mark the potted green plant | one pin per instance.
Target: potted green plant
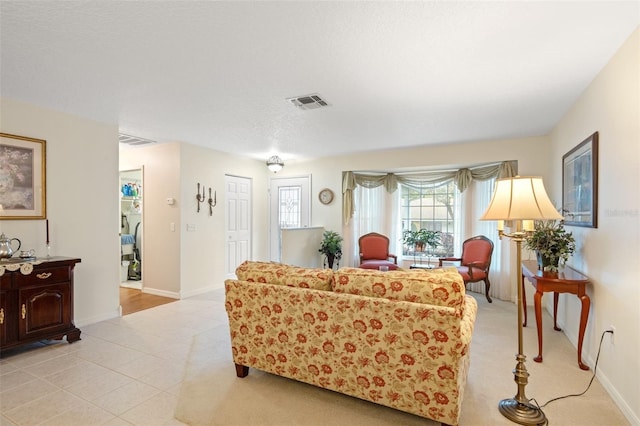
(331, 247)
(420, 238)
(552, 243)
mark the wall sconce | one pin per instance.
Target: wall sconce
(212, 202)
(200, 197)
(275, 163)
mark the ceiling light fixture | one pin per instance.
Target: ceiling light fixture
(275, 163)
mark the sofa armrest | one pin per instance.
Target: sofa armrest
(468, 319)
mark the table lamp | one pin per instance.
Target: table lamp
(521, 199)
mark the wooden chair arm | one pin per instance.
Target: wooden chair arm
(394, 257)
(448, 259)
(471, 265)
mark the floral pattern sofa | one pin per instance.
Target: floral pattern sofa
(397, 338)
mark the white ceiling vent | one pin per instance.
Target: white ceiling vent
(133, 140)
(313, 101)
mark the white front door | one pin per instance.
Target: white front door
(289, 207)
(238, 222)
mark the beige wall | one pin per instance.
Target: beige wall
(609, 254)
(82, 202)
(83, 199)
(203, 250)
(190, 259)
(161, 246)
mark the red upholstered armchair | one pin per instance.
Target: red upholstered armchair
(374, 252)
(475, 261)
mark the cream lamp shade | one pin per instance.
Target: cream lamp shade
(520, 198)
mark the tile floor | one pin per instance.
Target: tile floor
(122, 372)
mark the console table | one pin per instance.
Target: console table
(36, 300)
(566, 280)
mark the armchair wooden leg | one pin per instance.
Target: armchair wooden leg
(487, 286)
(242, 370)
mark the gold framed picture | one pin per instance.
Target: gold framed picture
(22, 177)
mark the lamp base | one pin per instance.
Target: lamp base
(524, 414)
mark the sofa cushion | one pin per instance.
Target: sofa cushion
(281, 274)
(261, 272)
(316, 278)
(443, 287)
(376, 264)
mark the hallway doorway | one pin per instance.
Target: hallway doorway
(133, 300)
(131, 228)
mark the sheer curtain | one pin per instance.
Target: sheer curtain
(475, 201)
(370, 203)
(376, 211)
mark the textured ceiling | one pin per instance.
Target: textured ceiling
(396, 74)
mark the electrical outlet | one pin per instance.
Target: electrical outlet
(613, 333)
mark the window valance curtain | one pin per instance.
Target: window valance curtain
(461, 177)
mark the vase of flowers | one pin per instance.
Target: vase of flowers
(552, 243)
(331, 247)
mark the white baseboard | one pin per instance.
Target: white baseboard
(199, 291)
(92, 320)
(163, 293)
(137, 285)
(617, 398)
(602, 378)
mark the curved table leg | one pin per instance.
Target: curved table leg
(584, 313)
(537, 298)
(555, 312)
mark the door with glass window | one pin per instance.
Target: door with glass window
(289, 207)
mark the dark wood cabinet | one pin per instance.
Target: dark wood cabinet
(3, 318)
(37, 305)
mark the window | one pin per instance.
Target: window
(289, 207)
(432, 207)
(289, 211)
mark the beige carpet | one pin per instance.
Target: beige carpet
(212, 395)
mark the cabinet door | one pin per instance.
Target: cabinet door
(44, 310)
(3, 317)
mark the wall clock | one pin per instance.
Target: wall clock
(326, 196)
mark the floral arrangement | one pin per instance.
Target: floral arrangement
(552, 243)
